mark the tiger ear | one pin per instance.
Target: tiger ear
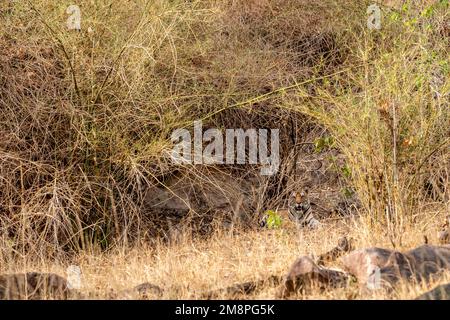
(294, 194)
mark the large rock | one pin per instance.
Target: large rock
(377, 267)
(305, 275)
(441, 292)
(364, 262)
(201, 192)
(33, 286)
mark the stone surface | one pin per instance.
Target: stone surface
(33, 286)
(148, 290)
(363, 262)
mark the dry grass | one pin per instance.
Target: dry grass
(192, 267)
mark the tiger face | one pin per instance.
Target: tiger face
(444, 232)
(298, 200)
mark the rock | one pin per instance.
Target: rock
(441, 292)
(424, 262)
(244, 288)
(33, 286)
(143, 291)
(363, 263)
(376, 267)
(345, 245)
(148, 290)
(194, 200)
(305, 275)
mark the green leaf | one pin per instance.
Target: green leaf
(419, 81)
(427, 12)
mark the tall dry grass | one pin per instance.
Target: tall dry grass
(389, 113)
(87, 116)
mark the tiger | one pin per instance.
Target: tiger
(444, 232)
(299, 212)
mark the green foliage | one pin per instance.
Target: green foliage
(427, 12)
(395, 16)
(323, 143)
(274, 220)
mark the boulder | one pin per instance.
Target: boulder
(364, 262)
(148, 290)
(441, 292)
(33, 286)
(305, 275)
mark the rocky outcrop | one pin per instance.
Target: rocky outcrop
(33, 286)
(187, 200)
(377, 267)
(363, 263)
(372, 268)
(441, 292)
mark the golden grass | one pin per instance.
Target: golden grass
(192, 267)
